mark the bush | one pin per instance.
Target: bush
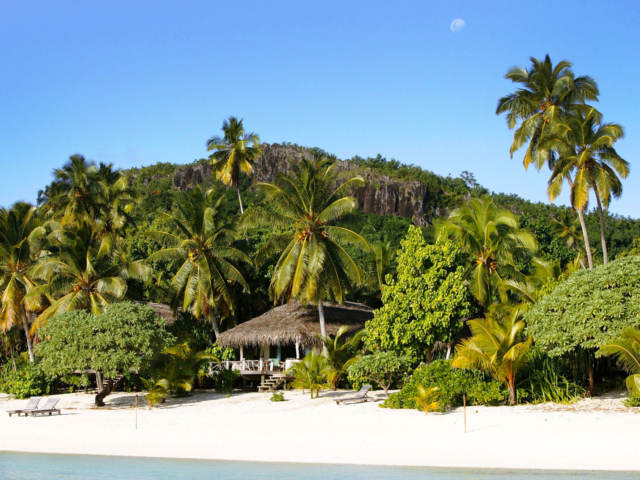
(453, 383)
(546, 379)
(225, 380)
(277, 397)
(26, 382)
(633, 400)
(384, 368)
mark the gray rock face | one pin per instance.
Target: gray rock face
(381, 194)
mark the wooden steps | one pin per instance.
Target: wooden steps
(273, 382)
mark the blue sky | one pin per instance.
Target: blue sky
(135, 83)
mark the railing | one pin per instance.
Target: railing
(242, 366)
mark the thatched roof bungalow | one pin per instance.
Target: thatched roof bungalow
(293, 325)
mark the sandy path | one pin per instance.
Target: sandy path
(592, 435)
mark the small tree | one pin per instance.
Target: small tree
(427, 398)
(340, 354)
(426, 302)
(384, 368)
(111, 343)
(311, 373)
(588, 310)
(496, 347)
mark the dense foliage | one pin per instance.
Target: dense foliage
(425, 303)
(589, 309)
(112, 343)
(383, 368)
(452, 383)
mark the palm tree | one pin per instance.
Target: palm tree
(545, 276)
(206, 243)
(311, 373)
(565, 225)
(547, 92)
(78, 190)
(82, 271)
(581, 144)
(383, 255)
(313, 266)
(340, 354)
(495, 242)
(234, 152)
(496, 346)
(626, 351)
(427, 398)
(20, 239)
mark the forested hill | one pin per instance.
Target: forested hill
(392, 189)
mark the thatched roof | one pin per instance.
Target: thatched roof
(292, 323)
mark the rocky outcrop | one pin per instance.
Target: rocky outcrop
(381, 194)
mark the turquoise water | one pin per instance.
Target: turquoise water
(25, 466)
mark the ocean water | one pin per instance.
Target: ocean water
(26, 466)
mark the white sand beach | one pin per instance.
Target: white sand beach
(598, 434)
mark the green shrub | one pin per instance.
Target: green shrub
(277, 397)
(453, 383)
(632, 400)
(26, 382)
(545, 379)
(225, 380)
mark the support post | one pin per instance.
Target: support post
(241, 354)
(297, 351)
(464, 402)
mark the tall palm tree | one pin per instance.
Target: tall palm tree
(581, 144)
(495, 242)
(313, 265)
(206, 242)
(20, 238)
(546, 93)
(234, 152)
(82, 271)
(496, 346)
(77, 191)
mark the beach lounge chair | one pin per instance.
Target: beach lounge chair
(359, 397)
(48, 408)
(32, 404)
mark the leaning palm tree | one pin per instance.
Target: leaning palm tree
(206, 244)
(496, 346)
(495, 242)
(546, 93)
(234, 152)
(340, 353)
(581, 144)
(20, 239)
(626, 351)
(82, 271)
(313, 265)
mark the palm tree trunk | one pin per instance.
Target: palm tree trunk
(605, 254)
(25, 326)
(585, 235)
(240, 199)
(214, 324)
(323, 327)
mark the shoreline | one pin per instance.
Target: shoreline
(247, 427)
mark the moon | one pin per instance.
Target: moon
(457, 25)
